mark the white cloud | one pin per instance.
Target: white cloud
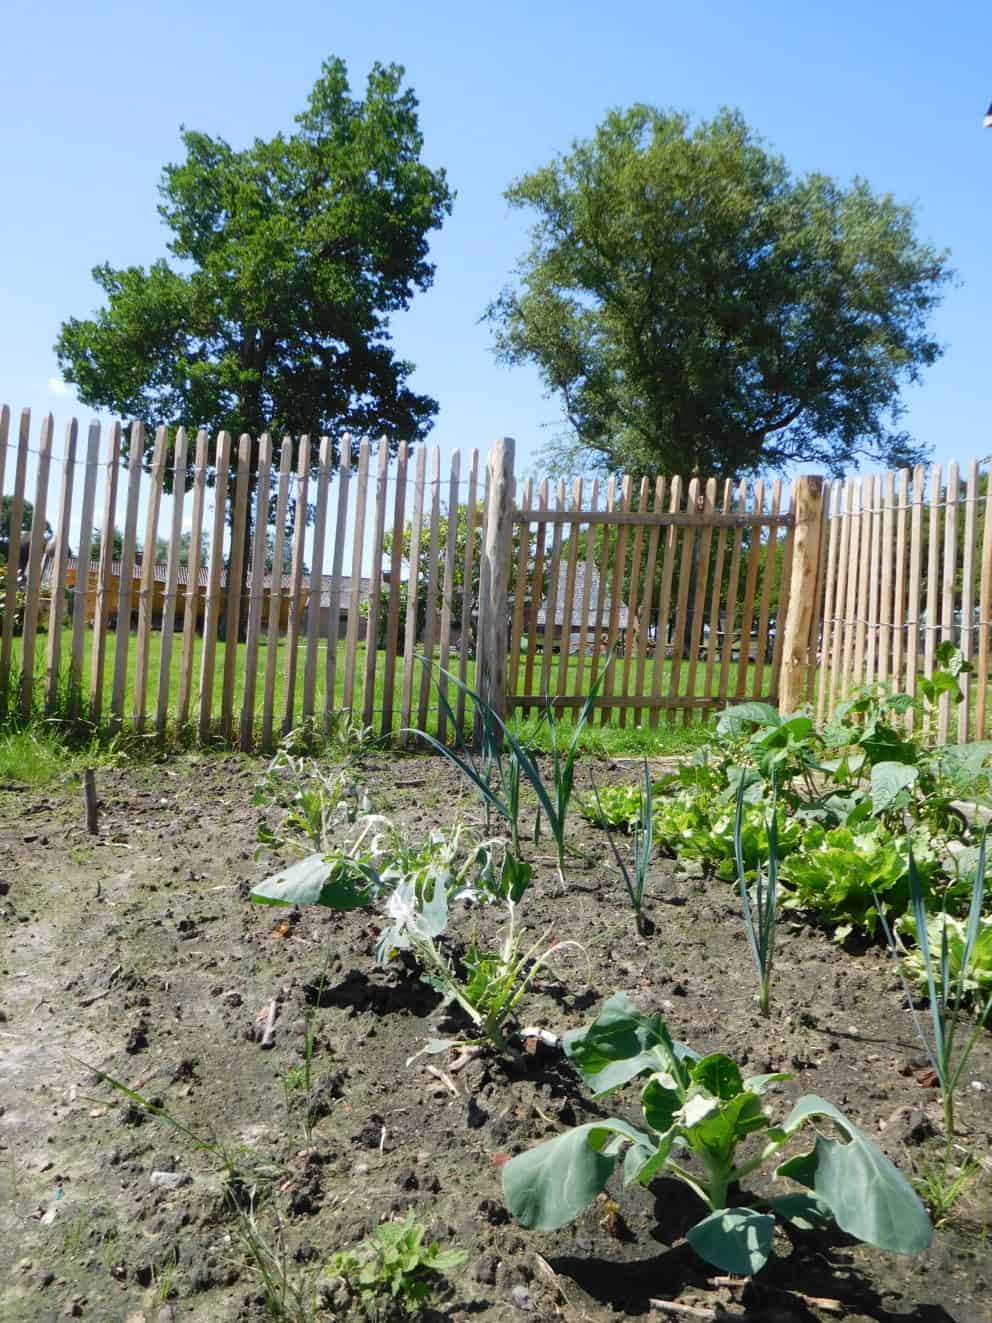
(57, 386)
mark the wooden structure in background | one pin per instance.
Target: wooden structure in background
(703, 592)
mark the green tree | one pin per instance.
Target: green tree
(698, 308)
(291, 255)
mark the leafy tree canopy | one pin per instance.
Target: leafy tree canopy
(698, 308)
(290, 257)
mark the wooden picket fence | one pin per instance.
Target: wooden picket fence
(703, 592)
(909, 566)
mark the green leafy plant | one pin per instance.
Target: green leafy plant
(489, 985)
(844, 876)
(760, 902)
(950, 1042)
(342, 878)
(702, 1110)
(395, 1268)
(618, 807)
(642, 849)
(491, 775)
(311, 799)
(972, 967)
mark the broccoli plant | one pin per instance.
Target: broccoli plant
(697, 1113)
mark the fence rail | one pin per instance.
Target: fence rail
(159, 592)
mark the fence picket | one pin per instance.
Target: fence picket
(191, 610)
(98, 651)
(412, 593)
(537, 589)
(146, 592)
(984, 615)
(701, 569)
(15, 515)
(750, 590)
(337, 564)
(57, 605)
(355, 593)
(170, 601)
(968, 595)
(32, 591)
(616, 600)
(568, 606)
(253, 633)
(375, 583)
(448, 591)
(551, 598)
(948, 594)
(208, 651)
(468, 596)
(274, 619)
(589, 571)
(430, 619)
(664, 600)
(316, 595)
(81, 588)
(295, 600)
(125, 585)
(395, 570)
(933, 580)
(913, 583)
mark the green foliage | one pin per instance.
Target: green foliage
(701, 1110)
(498, 776)
(312, 801)
(642, 829)
(698, 308)
(395, 1268)
(951, 1041)
(972, 968)
(844, 876)
(613, 806)
(291, 255)
(760, 903)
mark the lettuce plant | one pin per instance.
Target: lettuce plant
(697, 1112)
(843, 876)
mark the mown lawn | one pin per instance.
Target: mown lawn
(613, 732)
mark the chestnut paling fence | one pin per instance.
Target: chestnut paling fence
(231, 587)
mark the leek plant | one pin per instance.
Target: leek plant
(760, 904)
(642, 830)
(952, 1041)
(498, 775)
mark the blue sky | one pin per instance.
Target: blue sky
(94, 97)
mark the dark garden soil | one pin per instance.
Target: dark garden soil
(138, 953)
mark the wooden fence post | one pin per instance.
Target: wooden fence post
(494, 582)
(803, 588)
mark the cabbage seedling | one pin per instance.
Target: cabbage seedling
(699, 1110)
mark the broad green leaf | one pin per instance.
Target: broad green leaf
(551, 1184)
(719, 1127)
(759, 1083)
(804, 1211)
(659, 1105)
(887, 781)
(643, 1162)
(738, 1240)
(868, 1197)
(621, 1044)
(733, 719)
(313, 881)
(718, 1074)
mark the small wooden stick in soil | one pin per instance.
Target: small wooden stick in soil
(90, 800)
(269, 1032)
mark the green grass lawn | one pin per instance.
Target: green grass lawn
(616, 732)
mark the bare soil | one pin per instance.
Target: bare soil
(137, 953)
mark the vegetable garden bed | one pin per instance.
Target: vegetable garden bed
(274, 1038)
